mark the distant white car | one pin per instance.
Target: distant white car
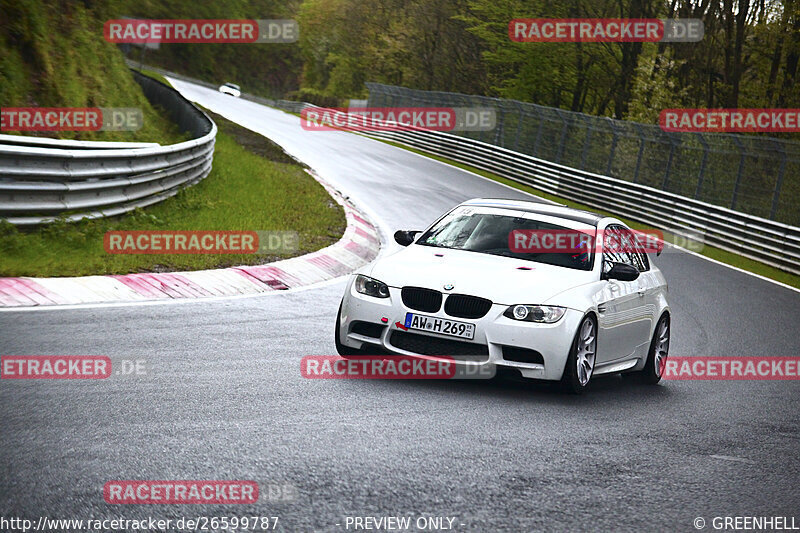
(231, 89)
(460, 289)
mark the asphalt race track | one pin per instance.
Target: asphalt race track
(223, 398)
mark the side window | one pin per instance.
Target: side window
(642, 257)
(620, 245)
(636, 252)
(615, 249)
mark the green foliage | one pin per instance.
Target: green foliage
(463, 46)
(52, 54)
(316, 97)
(415, 43)
(656, 87)
(266, 69)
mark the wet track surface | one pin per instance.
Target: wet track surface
(223, 398)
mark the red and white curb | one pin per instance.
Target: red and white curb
(358, 246)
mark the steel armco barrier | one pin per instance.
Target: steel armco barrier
(773, 243)
(286, 105)
(763, 240)
(752, 174)
(44, 179)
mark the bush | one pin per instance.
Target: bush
(316, 97)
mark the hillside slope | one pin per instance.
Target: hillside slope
(52, 54)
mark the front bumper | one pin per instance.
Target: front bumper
(499, 341)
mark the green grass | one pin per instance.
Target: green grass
(155, 75)
(253, 186)
(53, 54)
(708, 251)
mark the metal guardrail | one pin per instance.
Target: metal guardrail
(751, 174)
(767, 241)
(45, 179)
(286, 105)
(770, 242)
(763, 240)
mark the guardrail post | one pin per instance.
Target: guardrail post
(614, 140)
(538, 132)
(481, 134)
(563, 137)
(735, 195)
(672, 145)
(499, 124)
(586, 142)
(520, 116)
(641, 150)
(702, 173)
(778, 183)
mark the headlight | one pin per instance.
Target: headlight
(371, 287)
(536, 313)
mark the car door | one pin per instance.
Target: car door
(647, 291)
(620, 304)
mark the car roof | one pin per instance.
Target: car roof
(560, 211)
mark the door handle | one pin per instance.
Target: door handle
(641, 292)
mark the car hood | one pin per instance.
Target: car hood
(502, 280)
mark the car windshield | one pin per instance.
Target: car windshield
(495, 233)
(232, 86)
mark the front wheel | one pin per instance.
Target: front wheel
(580, 363)
(659, 350)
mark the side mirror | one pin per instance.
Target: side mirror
(621, 272)
(404, 238)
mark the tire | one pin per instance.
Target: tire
(341, 349)
(659, 350)
(582, 356)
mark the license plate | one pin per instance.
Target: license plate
(442, 326)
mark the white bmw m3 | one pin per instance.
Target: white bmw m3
(473, 285)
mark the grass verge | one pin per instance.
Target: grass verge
(708, 251)
(253, 186)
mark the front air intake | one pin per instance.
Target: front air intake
(464, 306)
(419, 299)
